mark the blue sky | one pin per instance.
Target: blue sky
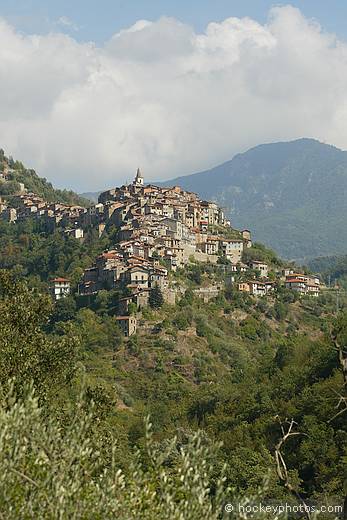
(98, 20)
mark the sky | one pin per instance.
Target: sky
(91, 90)
(89, 20)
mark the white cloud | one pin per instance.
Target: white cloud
(65, 22)
(162, 97)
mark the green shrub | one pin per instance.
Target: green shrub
(182, 320)
(280, 311)
(49, 472)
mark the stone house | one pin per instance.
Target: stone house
(127, 324)
(243, 287)
(246, 234)
(158, 277)
(9, 215)
(136, 275)
(232, 249)
(303, 284)
(211, 246)
(59, 288)
(257, 288)
(296, 284)
(76, 233)
(262, 267)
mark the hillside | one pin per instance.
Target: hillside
(292, 195)
(230, 366)
(92, 196)
(332, 268)
(227, 367)
(14, 172)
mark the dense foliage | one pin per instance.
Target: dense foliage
(38, 255)
(332, 268)
(27, 353)
(224, 373)
(50, 473)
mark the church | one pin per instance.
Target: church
(139, 180)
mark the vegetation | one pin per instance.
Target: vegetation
(27, 353)
(219, 380)
(51, 473)
(156, 299)
(9, 188)
(332, 268)
(39, 185)
(38, 255)
(241, 364)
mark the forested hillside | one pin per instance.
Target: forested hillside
(291, 195)
(236, 368)
(18, 173)
(332, 268)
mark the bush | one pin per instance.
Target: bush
(249, 328)
(9, 188)
(50, 472)
(280, 311)
(194, 274)
(156, 298)
(202, 329)
(181, 321)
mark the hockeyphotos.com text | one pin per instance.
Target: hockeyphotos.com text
(283, 508)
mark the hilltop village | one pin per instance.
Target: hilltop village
(159, 229)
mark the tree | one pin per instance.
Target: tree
(132, 309)
(64, 310)
(156, 298)
(9, 188)
(280, 311)
(47, 471)
(28, 353)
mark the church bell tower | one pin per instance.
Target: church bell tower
(138, 179)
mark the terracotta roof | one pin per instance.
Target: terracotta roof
(109, 255)
(136, 257)
(58, 279)
(138, 267)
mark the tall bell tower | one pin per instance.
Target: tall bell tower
(138, 179)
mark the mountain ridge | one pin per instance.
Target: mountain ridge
(292, 194)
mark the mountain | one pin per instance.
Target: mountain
(292, 195)
(332, 268)
(92, 196)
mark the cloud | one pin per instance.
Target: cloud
(66, 23)
(160, 96)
